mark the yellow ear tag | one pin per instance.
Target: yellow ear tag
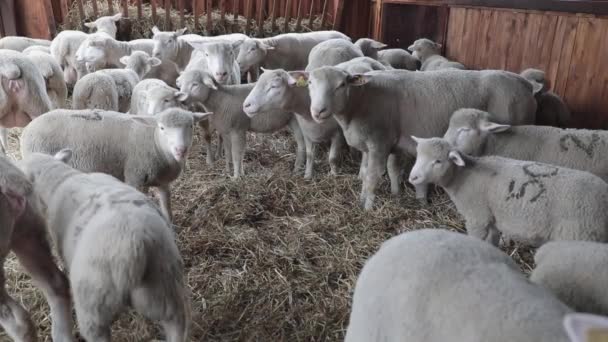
(301, 82)
(597, 335)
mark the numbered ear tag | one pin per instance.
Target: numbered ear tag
(597, 335)
(301, 82)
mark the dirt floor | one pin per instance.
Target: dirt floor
(270, 257)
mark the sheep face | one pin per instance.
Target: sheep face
(469, 130)
(196, 84)
(424, 48)
(161, 98)
(435, 161)
(105, 24)
(220, 57)
(174, 128)
(251, 52)
(270, 92)
(166, 45)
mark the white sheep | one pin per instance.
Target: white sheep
(217, 58)
(399, 59)
(429, 54)
(331, 52)
(21, 43)
(551, 111)
(527, 201)
(100, 51)
(23, 94)
(575, 272)
(437, 285)
(40, 48)
(152, 96)
(474, 132)
(118, 248)
(582, 327)
(89, 93)
(380, 110)
(288, 51)
(230, 121)
(142, 151)
(370, 47)
(23, 231)
(56, 87)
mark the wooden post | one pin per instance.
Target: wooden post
(125, 9)
(195, 10)
(235, 14)
(180, 7)
(209, 16)
(287, 16)
(338, 15)
(154, 17)
(273, 15)
(95, 10)
(260, 19)
(223, 13)
(167, 15)
(140, 13)
(248, 11)
(80, 14)
(323, 14)
(110, 7)
(299, 20)
(310, 16)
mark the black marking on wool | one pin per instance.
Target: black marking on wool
(94, 116)
(588, 148)
(536, 173)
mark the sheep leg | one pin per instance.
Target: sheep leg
(95, 305)
(155, 303)
(363, 167)
(337, 142)
(376, 161)
(13, 317)
(34, 254)
(394, 172)
(220, 150)
(300, 144)
(310, 158)
(238, 141)
(227, 152)
(164, 196)
(421, 193)
(206, 134)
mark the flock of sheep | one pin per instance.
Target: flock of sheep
(471, 133)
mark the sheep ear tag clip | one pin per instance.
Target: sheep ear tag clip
(301, 82)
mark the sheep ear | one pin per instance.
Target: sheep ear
(181, 31)
(155, 30)
(537, 87)
(210, 82)
(237, 44)
(586, 327)
(116, 17)
(266, 46)
(417, 140)
(16, 201)
(90, 25)
(378, 45)
(456, 158)
(64, 155)
(124, 60)
(493, 127)
(358, 79)
(437, 45)
(411, 47)
(201, 116)
(298, 78)
(153, 61)
(180, 96)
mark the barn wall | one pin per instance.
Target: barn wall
(573, 50)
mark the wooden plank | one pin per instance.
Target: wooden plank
(515, 46)
(110, 7)
(260, 17)
(455, 43)
(484, 40)
(273, 16)
(125, 8)
(223, 12)
(48, 8)
(153, 5)
(31, 18)
(195, 12)
(545, 43)
(209, 17)
(235, 10)
(311, 16)
(287, 15)
(167, 15)
(180, 8)
(530, 53)
(95, 9)
(299, 16)
(8, 17)
(248, 14)
(561, 53)
(470, 36)
(139, 10)
(338, 15)
(324, 14)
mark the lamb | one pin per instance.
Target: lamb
(217, 58)
(174, 45)
(21, 43)
(527, 201)
(99, 51)
(551, 111)
(370, 47)
(151, 97)
(55, 85)
(117, 247)
(66, 43)
(437, 285)
(380, 110)
(23, 94)
(289, 51)
(331, 52)
(23, 231)
(474, 132)
(399, 59)
(429, 53)
(39, 48)
(575, 272)
(88, 93)
(141, 151)
(231, 122)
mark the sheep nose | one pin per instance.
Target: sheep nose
(413, 178)
(180, 151)
(222, 73)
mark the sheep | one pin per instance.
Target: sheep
(23, 231)
(429, 54)
(437, 285)
(288, 51)
(99, 51)
(551, 111)
(370, 47)
(399, 59)
(231, 122)
(40, 48)
(21, 43)
(474, 132)
(88, 92)
(23, 94)
(527, 201)
(219, 59)
(582, 327)
(575, 272)
(174, 45)
(117, 247)
(378, 111)
(65, 45)
(151, 97)
(141, 151)
(332, 52)
(55, 85)
(167, 72)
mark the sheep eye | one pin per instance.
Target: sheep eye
(162, 128)
(166, 100)
(437, 161)
(341, 85)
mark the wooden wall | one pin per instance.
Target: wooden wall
(572, 49)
